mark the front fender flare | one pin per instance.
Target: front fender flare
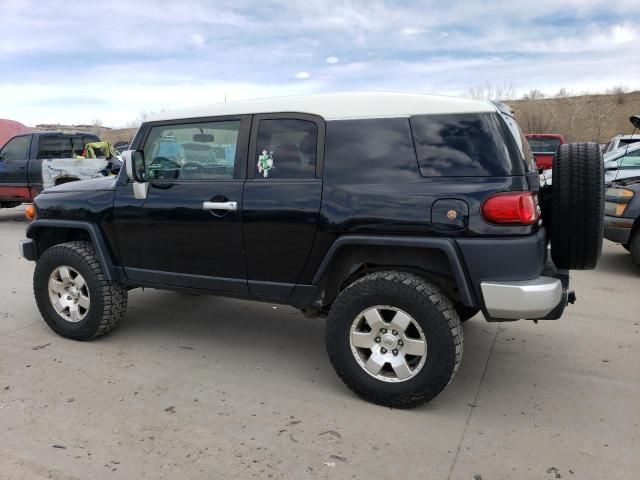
(94, 233)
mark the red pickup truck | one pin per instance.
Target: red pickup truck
(544, 146)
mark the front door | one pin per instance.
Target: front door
(282, 196)
(14, 160)
(188, 231)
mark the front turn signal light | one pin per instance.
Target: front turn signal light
(30, 212)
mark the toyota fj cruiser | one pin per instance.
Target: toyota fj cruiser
(395, 216)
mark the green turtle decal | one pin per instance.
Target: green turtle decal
(265, 163)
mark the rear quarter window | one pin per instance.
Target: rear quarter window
(465, 145)
(370, 151)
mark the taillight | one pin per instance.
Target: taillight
(518, 208)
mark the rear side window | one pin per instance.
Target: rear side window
(370, 151)
(465, 145)
(286, 148)
(63, 146)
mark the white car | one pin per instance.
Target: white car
(622, 163)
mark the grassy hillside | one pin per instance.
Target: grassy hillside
(594, 118)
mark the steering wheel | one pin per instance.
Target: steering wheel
(191, 170)
(163, 168)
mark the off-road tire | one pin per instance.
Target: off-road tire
(429, 307)
(465, 313)
(577, 206)
(634, 248)
(108, 298)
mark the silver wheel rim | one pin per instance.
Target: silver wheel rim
(388, 343)
(69, 294)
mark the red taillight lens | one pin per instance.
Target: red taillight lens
(544, 162)
(511, 208)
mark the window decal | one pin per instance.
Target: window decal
(265, 163)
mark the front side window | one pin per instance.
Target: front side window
(193, 151)
(286, 148)
(16, 149)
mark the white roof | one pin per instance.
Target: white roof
(339, 106)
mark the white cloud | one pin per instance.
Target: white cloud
(412, 31)
(624, 33)
(332, 60)
(302, 75)
(197, 40)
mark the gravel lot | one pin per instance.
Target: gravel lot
(205, 388)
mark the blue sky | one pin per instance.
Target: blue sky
(76, 61)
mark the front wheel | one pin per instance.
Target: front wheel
(72, 294)
(394, 339)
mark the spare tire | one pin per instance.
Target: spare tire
(577, 206)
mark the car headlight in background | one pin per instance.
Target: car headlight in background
(616, 201)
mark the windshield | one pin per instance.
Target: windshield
(544, 145)
(627, 141)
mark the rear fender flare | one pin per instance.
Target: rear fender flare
(447, 246)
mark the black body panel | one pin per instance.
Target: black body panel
(281, 241)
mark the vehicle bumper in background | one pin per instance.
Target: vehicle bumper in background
(27, 249)
(526, 299)
(617, 229)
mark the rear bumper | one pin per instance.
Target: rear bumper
(618, 229)
(528, 299)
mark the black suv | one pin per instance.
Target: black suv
(395, 216)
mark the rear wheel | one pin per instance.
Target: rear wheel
(73, 295)
(394, 339)
(577, 206)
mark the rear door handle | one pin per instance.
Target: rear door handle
(227, 206)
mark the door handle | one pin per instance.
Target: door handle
(227, 206)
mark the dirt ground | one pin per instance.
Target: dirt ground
(206, 388)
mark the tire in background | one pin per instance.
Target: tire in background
(577, 206)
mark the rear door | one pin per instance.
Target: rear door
(281, 206)
(14, 161)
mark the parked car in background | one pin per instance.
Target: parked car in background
(620, 141)
(622, 215)
(544, 147)
(31, 162)
(622, 163)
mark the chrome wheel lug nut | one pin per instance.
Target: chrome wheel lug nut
(400, 342)
(383, 330)
(394, 332)
(395, 351)
(383, 350)
(377, 339)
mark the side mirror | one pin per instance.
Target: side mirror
(134, 164)
(635, 121)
